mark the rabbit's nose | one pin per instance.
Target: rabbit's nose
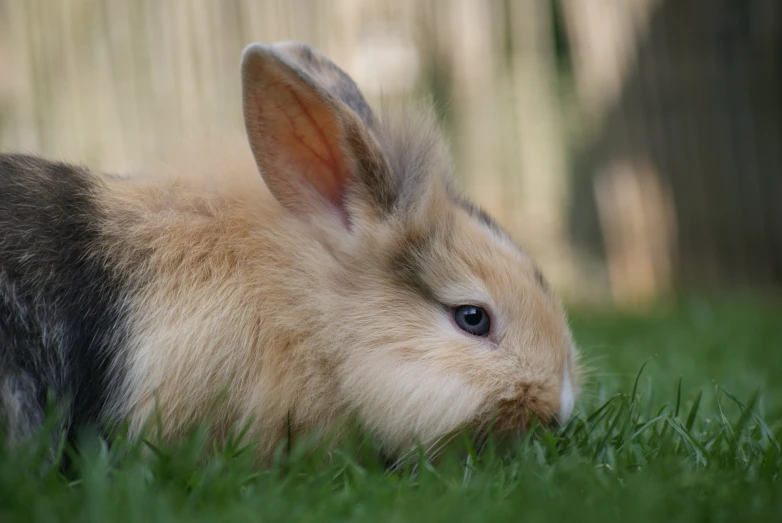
(567, 398)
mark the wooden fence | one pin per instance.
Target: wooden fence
(632, 145)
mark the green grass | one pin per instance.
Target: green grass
(694, 436)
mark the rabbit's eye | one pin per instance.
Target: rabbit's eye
(472, 319)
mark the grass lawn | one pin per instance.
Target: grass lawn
(694, 442)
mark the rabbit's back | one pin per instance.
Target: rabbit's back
(60, 305)
(111, 286)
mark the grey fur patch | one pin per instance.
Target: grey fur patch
(541, 280)
(476, 212)
(329, 76)
(20, 409)
(410, 261)
(375, 174)
(62, 322)
(482, 216)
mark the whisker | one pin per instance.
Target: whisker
(584, 349)
(553, 416)
(401, 460)
(444, 443)
(433, 445)
(410, 453)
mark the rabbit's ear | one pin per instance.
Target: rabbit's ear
(329, 76)
(314, 152)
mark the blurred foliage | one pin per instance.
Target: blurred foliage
(634, 146)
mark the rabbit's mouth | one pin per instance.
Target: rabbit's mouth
(498, 428)
(529, 404)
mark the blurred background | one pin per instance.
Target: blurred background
(633, 146)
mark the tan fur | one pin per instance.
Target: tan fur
(244, 313)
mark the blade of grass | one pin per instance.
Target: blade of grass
(693, 411)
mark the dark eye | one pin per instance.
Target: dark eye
(472, 319)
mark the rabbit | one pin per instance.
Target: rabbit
(351, 282)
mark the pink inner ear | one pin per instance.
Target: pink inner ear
(302, 134)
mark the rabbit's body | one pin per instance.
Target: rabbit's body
(123, 293)
(197, 297)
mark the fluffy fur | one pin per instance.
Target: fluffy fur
(323, 295)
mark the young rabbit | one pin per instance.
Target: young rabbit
(355, 284)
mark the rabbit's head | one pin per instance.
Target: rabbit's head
(437, 320)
